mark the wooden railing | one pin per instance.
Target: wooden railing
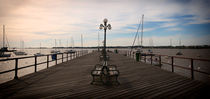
(160, 62)
(69, 56)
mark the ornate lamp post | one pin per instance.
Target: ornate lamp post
(105, 27)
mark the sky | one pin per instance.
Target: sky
(45, 21)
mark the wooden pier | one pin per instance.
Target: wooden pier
(72, 80)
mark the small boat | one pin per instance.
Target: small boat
(19, 53)
(179, 53)
(55, 51)
(70, 51)
(2, 54)
(38, 54)
(150, 51)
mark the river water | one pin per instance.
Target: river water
(8, 65)
(192, 53)
(189, 53)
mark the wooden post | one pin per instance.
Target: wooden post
(159, 60)
(35, 69)
(62, 57)
(47, 61)
(172, 64)
(151, 59)
(16, 68)
(192, 69)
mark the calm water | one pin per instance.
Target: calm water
(193, 53)
(7, 65)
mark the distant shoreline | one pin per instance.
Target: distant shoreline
(159, 47)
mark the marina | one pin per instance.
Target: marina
(156, 49)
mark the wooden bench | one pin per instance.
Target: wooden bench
(101, 57)
(105, 74)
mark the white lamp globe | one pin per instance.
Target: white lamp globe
(105, 20)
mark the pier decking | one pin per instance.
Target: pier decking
(73, 78)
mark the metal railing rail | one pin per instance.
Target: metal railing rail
(68, 56)
(191, 68)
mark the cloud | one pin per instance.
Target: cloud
(48, 19)
(174, 29)
(169, 24)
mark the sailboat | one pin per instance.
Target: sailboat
(55, 50)
(150, 51)
(39, 54)
(4, 48)
(20, 52)
(179, 53)
(139, 47)
(72, 46)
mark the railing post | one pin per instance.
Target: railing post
(35, 69)
(75, 54)
(62, 57)
(145, 58)
(16, 68)
(78, 54)
(172, 64)
(159, 60)
(151, 59)
(134, 55)
(56, 59)
(82, 52)
(67, 56)
(47, 61)
(70, 56)
(192, 69)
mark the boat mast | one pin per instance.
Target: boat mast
(82, 41)
(55, 44)
(98, 41)
(142, 29)
(40, 48)
(3, 36)
(67, 44)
